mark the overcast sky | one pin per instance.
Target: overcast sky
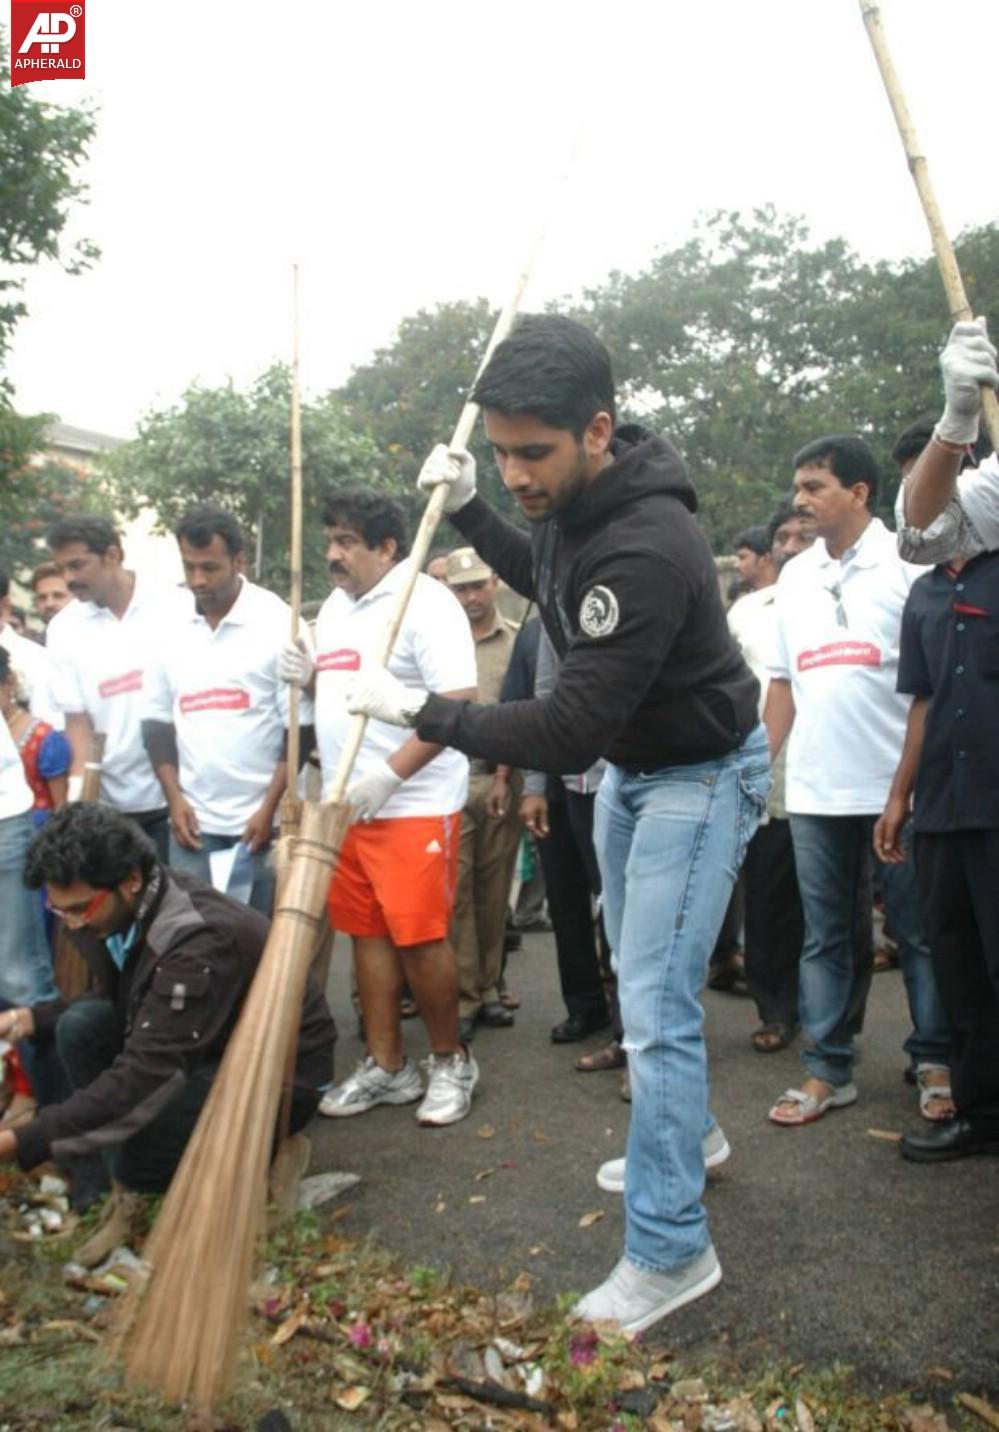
(402, 152)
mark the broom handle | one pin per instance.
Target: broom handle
(960, 309)
(295, 535)
(91, 788)
(432, 514)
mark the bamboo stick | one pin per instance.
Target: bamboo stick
(950, 273)
(291, 813)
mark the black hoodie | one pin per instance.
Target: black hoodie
(626, 586)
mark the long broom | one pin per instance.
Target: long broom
(183, 1328)
(957, 298)
(291, 810)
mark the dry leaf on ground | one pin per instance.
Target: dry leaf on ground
(588, 1219)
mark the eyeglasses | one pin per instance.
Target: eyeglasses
(75, 917)
(836, 592)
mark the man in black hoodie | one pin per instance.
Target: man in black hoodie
(651, 680)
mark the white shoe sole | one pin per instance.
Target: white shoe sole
(689, 1295)
(611, 1184)
(350, 1110)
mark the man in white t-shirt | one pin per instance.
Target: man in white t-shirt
(832, 690)
(30, 661)
(101, 646)
(393, 889)
(215, 713)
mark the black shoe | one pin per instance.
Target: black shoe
(730, 975)
(495, 1015)
(466, 1028)
(955, 1139)
(578, 1026)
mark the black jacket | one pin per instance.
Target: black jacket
(625, 583)
(177, 999)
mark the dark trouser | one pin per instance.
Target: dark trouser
(572, 878)
(959, 884)
(775, 925)
(89, 1037)
(156, 825)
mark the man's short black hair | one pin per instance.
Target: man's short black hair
(550, 368)
(88, 842)
(755, 538)
(4, 584)
(5, 667)
(783, 514)
(96, 533)
(200, 524)
(911, 441)
(847, 457)
(371, 513)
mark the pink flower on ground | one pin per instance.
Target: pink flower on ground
(583, 1349)
(360, 1335)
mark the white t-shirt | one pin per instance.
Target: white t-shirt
(751, 621)
(100, 666)
(434, 651)
(222, 692)
(15, 793)
(849, 722)
(34, 667)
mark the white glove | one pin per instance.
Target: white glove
(295, 664)
(368, 794)
(456, 468)
(968, 361)
(375, 692)
(74, 789)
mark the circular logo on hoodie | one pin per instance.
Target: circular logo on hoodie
(599, 612)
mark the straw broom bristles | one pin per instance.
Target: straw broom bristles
(183, 1331)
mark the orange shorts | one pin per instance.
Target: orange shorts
(397, 878)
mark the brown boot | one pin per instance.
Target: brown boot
(122, 1220)
(287, 1171)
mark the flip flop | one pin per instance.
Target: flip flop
(609, 1056)
(808, 1108)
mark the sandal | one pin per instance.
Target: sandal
(885, 958)
(928, 1093)
(806, 1108)
(769, 1038)
(609, 1056)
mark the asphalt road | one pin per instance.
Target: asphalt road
(833, 1248)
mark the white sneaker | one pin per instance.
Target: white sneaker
(715, 1148)
(635, 1298)
(369, 1085)
(449, 1088)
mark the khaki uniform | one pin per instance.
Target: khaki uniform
(487, 849)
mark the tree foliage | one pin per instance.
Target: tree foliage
(409, 396)
(741, 344)
(35, 495)
(232, 447)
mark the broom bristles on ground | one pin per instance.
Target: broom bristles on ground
(181, 1333)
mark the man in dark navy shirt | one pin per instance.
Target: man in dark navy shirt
(949, 663)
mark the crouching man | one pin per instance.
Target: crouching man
(172, 961)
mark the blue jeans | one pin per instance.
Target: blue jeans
(829, 852)
(25, 958)
(670, 843)
(195, 862)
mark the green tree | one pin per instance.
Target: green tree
(40, 493)
(749, 340)
(409, 396)
(232, 447)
